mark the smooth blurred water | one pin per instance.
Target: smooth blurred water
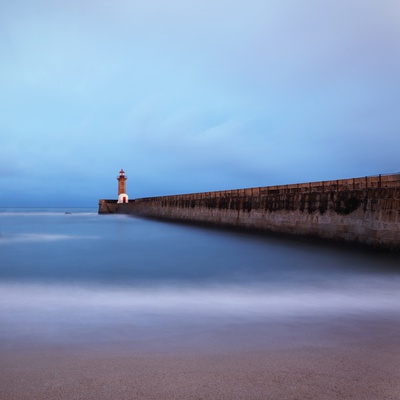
(66, 276)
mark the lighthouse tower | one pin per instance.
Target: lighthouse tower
(122, 196)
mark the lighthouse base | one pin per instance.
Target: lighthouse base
(123, 198)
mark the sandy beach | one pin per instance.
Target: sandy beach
(344, 360)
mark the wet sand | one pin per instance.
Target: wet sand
(344, 360)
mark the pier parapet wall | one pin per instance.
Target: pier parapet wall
(363, 210)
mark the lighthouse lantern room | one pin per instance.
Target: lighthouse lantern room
(122, 196)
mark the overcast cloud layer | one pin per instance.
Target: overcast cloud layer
(191, 96)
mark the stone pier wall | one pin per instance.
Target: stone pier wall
(363, 210)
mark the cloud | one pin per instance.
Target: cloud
(197, 94)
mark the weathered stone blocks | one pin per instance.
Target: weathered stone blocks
(362, 210)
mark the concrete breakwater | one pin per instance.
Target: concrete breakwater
(358, 210)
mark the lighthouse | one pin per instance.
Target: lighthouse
(122, 196)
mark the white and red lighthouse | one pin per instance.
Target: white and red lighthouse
(122, 196)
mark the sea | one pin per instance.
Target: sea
(69, 276)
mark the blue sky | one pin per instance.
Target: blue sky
(190, 96)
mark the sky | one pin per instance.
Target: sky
(192, 96)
